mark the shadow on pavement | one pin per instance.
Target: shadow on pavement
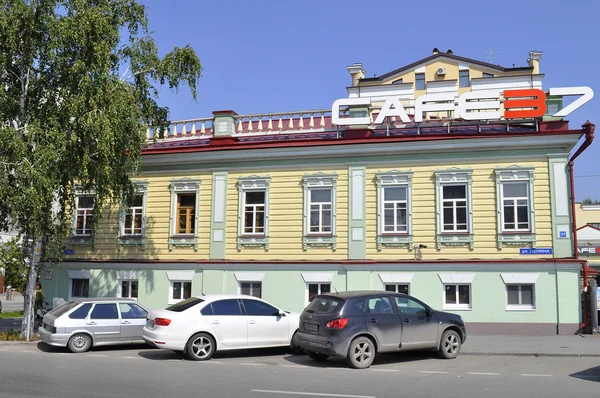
(591, 374)
(381, 359)
(118, 347)
(162, 354)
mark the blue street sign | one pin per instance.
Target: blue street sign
(563, 234)
(68, 251)
(545, 250)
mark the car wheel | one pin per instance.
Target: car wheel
(361, 353)
(449, 345)
(200, 347)
(296, 349)
(80, 342)
(317, 357)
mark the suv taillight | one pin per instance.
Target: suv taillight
(162, 321)
(339, 323)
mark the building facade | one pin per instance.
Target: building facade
(395, 188)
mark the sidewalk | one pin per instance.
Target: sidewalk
(542, 346)
(16, 304)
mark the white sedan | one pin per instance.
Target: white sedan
(199, 326)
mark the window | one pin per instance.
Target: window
(379, 305)
(457, 296)
(105, 311)
(394, 209)
(80, 287)
(314, 289)
(454, 207)
(132, 311)
(520, 296)
(552, 108)
(251, 289)
(409, 306)
(327, 305)
(397, 288)
(81, 312)
(454, 226)
(129, 289)
(259, 308)
(420, 81)
(319, 210)
(181, 290)
(183, 226)
(488, 74)
(515, 206)
(84, 215)
(186, 211)
(226, 307)
(253, 212)
(463, 78)
(185, 304)
(134, 216)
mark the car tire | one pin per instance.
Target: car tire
(200, 347)
(296, 349)
(79, 342)
(361, 353)
(450, 345)
(317, 357)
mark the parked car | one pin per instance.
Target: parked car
(200, 326)
(80, 324)
(361, 324)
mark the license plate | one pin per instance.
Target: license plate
(311, 327)
(149, 323)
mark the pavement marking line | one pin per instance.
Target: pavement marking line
(384, 370)
(435, 372)
(295, 366)
(483, 374)
(129, 357)
(251, 364)
(313, 394)
(97, 355)
(535, 375)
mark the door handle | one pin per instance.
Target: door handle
(252, 322)
(373, 320)
(126, 322)
(215, 322)
(91, 323)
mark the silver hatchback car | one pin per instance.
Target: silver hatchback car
(80, 324)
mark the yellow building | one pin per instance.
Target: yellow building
(420, 181)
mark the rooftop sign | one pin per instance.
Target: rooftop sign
(474, 105)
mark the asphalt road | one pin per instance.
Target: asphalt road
(41, 371)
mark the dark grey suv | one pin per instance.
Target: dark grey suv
(360, 324)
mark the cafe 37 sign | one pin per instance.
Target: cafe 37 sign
(474, 105)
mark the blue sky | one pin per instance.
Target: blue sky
(284, 55)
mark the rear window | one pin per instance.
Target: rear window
(325, 305)
(185, 304)
(63, 309)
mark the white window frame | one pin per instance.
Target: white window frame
(177, 187)
(393, 179)
(454, 208)
(456, 280)
(141, 188)
(78, 274)
(123, 276)
(172, 289)
(179, 276)
(319, 291)
(88, 212)
(385, 285)
(314, 278)
(252, 183)
(515, 208)
(517, 237)
(120, 288)
(252, 283)
(319, 239)
(81, 239)
(454, 177)
(520, 279)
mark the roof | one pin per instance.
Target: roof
(451, 56)
(357, 293)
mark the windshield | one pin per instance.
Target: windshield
(66, 307)
(185, 304)
(325, 305)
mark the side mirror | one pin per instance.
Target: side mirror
(281, 313)
(429, 311)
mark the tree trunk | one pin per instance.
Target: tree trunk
(28, 309)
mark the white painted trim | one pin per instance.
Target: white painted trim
(519, 278)
(317, 277)
(420, 69)
(127, 275)
(180, 275)
(249, 276)
(463, 66)
(220, 192)
(457, 278)
(79, 274)
(560, 188)
(170, 299)
(396, 278)
(358, 194)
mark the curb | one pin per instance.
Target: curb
(532, 354)
(6, 342)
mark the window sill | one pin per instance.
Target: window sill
(446, 308)
(253, 241)
(526, 309)
(81, 240)
(394, 240)
(131, 240)
(319, 240)
(183, 241)
(454, 239)
(516, 239)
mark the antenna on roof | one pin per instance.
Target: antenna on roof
(334, 288)
(490, 55)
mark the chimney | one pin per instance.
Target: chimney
(534, 60)
(357, 72)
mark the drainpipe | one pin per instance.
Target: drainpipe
(589, 138)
